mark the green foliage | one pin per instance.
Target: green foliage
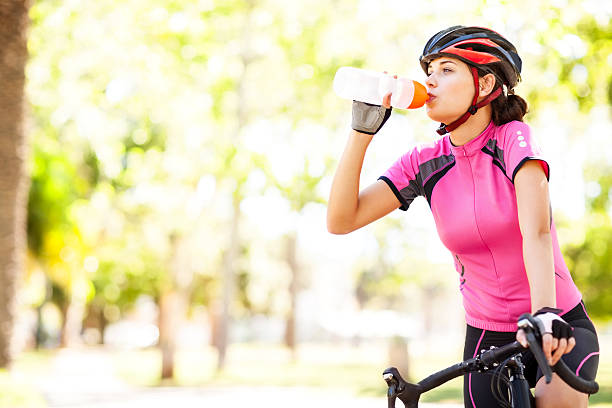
(590, 260)
(302, 188)
(591, 266)
(52, 191)
(584, 61)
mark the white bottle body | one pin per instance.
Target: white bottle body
(371, 86)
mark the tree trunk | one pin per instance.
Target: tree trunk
(222, 333)
(73, 321)
(95, 320)
(214, 316)
(290, 329)
(173, 306)
(13, 153)
(221, 320)
(169, 319)
(399, 356)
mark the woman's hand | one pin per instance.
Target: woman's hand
(369, 118)
(557, 336)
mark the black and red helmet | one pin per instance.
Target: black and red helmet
(482, 49)
(476, 46)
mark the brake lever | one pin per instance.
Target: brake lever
(395, 382)
(407, 392)
(532, 331)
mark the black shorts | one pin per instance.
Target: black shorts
(583, 359)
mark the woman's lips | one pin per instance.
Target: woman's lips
(431, 98)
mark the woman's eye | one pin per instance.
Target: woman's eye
(443, 70)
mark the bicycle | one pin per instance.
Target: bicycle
(498, 359)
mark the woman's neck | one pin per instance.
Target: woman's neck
(472, 128)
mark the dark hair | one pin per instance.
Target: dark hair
(505, 109)
(507, 106)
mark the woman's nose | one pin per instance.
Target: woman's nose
(430, 81)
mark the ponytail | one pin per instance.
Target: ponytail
(505, 109)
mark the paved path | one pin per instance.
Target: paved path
(270, 397)
(86, 379)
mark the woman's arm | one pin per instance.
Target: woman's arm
(533, 204)
(534, 219)
(348, 209)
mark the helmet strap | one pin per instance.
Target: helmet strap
(443, 129)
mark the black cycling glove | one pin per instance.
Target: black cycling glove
(369, 118)
(550, 322)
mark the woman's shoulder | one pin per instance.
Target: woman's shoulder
(513, 128)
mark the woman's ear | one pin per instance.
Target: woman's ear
(486, 84)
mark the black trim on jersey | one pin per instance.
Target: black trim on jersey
(497, 152)
(430, 184)
(403, 202)
(496, 161)
(426, 169)
(525, 160)
(461, 276)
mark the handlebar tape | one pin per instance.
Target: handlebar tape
(443, 376)
(574, 381)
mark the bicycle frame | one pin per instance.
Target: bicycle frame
(519, 386)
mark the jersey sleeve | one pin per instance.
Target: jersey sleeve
(518, 147)
(403, 179)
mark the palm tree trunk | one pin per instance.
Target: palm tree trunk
(169, 312)
(13, 153)
(173, 306)
(222, 334)
(291, 325)
(222, 311)
(73, 321)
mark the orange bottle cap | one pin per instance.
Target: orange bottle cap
(420, 96)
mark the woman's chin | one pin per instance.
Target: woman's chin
(434, 115)
(442, 118)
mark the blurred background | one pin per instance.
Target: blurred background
(176, 162)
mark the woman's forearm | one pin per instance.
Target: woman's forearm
(344, 195)
(539, 264)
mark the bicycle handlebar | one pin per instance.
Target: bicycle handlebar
(409, 393)
(439, 378)
(528, 323)
(574, 381)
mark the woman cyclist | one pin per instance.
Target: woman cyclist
(487, 186)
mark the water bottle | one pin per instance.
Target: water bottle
(371, 86)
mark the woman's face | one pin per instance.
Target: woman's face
(450, 86)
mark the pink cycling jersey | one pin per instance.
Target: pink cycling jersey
(470, 190)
